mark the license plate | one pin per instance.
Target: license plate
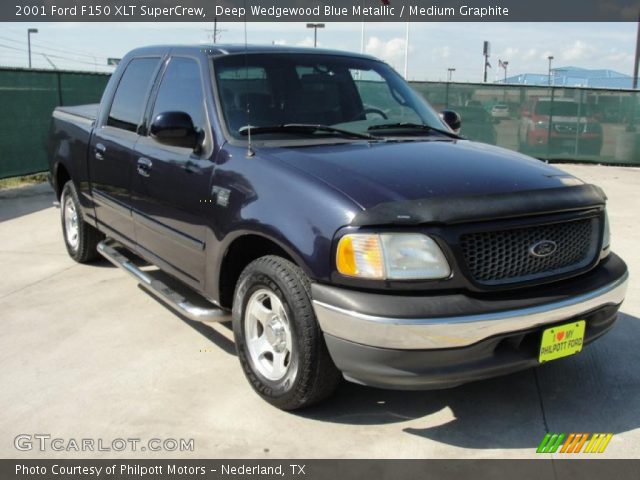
(561, 341)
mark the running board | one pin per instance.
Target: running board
(108, 249)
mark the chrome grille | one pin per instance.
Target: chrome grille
(506, 256)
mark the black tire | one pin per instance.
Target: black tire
(84, 250)
(311, 375)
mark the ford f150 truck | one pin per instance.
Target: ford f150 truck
(315, 200)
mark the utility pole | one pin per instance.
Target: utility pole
(315, 27)
(215, 32)
(550, 58)
(486, 51)
(29, 32)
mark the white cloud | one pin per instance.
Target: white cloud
(579, 50)
(442, 52)
(392, 51)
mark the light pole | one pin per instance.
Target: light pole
(550, 58)
(637, 57)
(505, 64)
(450, 73)
(315, 27)
(29, 32)
(406, 53)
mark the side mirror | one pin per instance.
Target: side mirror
(175, 129)
(452, 119)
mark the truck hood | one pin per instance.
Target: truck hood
(379, 173)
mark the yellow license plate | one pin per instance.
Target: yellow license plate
(561, 341)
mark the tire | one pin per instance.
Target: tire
(287, 363)
(80, 238)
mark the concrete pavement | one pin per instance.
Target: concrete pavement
(87, 354)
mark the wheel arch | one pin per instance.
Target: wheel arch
(61, 176)
(240, 252)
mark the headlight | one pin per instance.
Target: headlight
(396, 256)
(542, 125)
(606, 235)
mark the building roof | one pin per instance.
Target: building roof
(574, 77)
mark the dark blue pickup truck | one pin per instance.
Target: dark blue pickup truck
(318, 202)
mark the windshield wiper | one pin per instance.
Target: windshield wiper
(412, 126)
(303, 128)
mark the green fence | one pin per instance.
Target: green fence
(27, 98)
(554, 123)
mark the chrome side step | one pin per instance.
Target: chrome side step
(108, 249)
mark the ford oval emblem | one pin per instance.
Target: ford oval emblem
(543, 248)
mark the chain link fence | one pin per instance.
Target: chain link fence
(552, 123)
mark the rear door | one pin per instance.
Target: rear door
(171, 184)
(111, 150)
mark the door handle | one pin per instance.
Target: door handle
(99, 151)
(144, 167)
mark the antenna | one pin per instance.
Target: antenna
(250, 152)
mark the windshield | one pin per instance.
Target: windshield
(352, 94)
(560, 108)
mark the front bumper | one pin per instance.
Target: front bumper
(403, 341)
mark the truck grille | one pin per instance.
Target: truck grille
(567, 127)
(506, 256)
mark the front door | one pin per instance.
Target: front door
(171, 184)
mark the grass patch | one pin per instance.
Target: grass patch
(17, 182)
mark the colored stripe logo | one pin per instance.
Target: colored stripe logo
(574, 443)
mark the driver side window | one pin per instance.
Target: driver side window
(377, 98)
(181, 91)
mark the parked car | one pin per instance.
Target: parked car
(557, 126)
(370, 243)
(500, 110)
(477, 124)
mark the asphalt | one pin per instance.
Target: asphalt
(87, 354)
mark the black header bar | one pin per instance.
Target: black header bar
(319, 10)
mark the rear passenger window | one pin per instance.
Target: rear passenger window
(181, 91)
(132, 94)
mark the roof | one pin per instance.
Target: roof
(574, 77)
(219, 49)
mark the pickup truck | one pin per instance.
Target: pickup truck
(552, 126)
(317, 202)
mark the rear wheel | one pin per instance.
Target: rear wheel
(80, 238)
(280, 345)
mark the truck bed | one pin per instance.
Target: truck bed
(85, 112)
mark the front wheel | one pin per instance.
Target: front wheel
(279, 343)
(80, 238)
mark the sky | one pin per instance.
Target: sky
(433, 47)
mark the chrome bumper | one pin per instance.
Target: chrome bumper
(458, 331)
